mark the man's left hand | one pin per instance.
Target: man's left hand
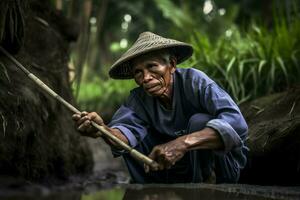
(166, 155)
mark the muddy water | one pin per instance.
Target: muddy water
(165, 192)
(208, 191)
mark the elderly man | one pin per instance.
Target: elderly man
(179, 117)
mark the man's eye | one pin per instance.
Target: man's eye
(137, 73)
(151, 66)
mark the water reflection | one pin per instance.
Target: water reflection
(112, 194)
(32, 196)
(161, 192)
(184, 193)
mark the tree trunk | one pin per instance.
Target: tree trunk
(37, 136)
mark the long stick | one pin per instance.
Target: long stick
(134, 153)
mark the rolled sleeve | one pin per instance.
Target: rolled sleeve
(130, 125)
(128, 134)
(228, 135)
(228, 122)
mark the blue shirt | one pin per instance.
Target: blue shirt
(193, 92)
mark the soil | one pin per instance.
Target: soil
(274, 139)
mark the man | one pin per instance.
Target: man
(179, 117)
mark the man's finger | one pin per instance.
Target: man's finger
(153, 155)
(168, 164)
(84, 126)
(146, 168)
(161, 166)
(83, 119)
(84, 113)
(76, 116)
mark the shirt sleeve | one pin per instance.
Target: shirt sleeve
(229, 121)
(130, 125)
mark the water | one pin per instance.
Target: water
(163, 192)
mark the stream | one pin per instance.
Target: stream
(99, 190)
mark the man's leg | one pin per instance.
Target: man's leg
(201, 161)
(227, 170)
(136, 168)
(196, 166)
(205, 162)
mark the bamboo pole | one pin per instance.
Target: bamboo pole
(102, 131)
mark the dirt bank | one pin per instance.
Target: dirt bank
(274, 139)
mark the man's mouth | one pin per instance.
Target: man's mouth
(152, 88)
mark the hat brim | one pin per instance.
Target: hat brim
(122, 69)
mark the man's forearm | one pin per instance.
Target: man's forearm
(118, 134)
(207, 138)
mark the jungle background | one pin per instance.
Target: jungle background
(250, 47)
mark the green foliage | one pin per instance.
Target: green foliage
(261, 60)
(174, 13)
(104, 95)
(251, 64)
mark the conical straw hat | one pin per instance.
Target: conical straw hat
(147, 42)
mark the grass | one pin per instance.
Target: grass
(253, 63)
(247, 64)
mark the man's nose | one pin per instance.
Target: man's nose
(147, 76)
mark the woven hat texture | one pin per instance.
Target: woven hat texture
(146, 43)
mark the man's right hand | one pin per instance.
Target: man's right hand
(83, 123)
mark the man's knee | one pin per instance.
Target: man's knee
(198, 121)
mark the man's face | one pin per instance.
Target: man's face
(153, 73)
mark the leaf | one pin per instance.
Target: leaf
(220, 69)
(283, 68)
(257, 30)
(295, 61)
(230, 64)
(172, 12)
(241, 69)
(261, 65)
(272, 75)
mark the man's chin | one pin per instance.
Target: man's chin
(154, 94)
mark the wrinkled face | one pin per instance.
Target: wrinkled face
(154, 73)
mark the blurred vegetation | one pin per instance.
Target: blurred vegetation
(253, 63)
(113, 194)
(104, 96)
(249, 47)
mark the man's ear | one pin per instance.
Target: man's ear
(173, 63)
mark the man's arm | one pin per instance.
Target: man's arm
(206, 138)
(169, 153)
(225, 132)
(83, 123)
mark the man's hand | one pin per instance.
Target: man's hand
(83, 123)
(166, 155)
